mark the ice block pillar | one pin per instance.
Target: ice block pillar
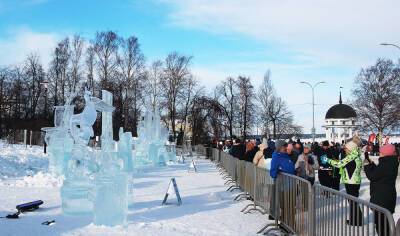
(106, 123)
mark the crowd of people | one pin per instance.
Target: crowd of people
(331, 164)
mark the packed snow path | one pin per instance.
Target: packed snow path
(207, 208)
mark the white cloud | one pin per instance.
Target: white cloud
(18, 4)
(332, 31)
(319, 37)
(17, 44)
(304, 19)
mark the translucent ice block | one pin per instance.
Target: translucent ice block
(111, 199)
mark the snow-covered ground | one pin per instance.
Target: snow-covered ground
(207, 208)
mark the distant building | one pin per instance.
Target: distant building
(340, 122)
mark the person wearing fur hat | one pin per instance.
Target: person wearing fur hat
(350, 170)
(307, 164)
(383, 182)
(259, 159)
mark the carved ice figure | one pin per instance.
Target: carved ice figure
(77, 187)
(84, 120)
(59, 140)
(78, 184)
(111, 181)
(125, 149)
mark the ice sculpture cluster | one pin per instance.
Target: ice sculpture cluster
(99, 182)
(151, 147)
(96, 182)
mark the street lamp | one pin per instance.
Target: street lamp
(45, 83)
(313, 105)
(390, 44)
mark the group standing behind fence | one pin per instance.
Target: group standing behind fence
(335, 164)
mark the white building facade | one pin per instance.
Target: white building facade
(340, 122)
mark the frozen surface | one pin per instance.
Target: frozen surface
(207, 208)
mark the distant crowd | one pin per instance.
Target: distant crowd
(329, 163)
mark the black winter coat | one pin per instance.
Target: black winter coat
(238, 150)
(383, 182)
(249, 156)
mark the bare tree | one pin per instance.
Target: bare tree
(275, 115)
(176, 76)
(106, 46)
(34, 76)
(265, 95)
(153, 82)
(58, 71)
(227, 94)
(90, 65)
(132, 70)
(76, 51)
(187, 97)
(246, 104)
(377, 96)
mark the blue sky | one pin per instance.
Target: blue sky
(303, 40)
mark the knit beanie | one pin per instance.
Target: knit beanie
(387, 150)
(354, 143)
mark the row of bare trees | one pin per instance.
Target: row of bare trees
(243, 109)
(30, 90)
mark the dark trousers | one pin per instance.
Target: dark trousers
(325, 178)
(336, 183)
(356, 216)
(380, 223)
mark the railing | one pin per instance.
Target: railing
(295, 204)
(338, 213)
(298, 207)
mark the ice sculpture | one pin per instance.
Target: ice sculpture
(76, 192)
(99, 182)
(96, 181)
(150, 146)
(111, 181)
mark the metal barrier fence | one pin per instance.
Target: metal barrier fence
(300, 208)
(338, 213)
(295, 204)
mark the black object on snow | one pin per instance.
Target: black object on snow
(49, 222)
(30, 206)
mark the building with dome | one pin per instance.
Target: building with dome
(340, 122)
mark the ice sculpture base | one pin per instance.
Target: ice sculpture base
(76, 198)
(111, 199)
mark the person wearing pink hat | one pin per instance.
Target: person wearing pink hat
(383, 182)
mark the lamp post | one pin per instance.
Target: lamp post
(313, 105)
(390, 44)
(45, 83)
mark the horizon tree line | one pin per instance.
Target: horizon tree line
(234, 108)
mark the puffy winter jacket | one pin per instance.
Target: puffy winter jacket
(281, 162)
(383, 182)
(350, 167)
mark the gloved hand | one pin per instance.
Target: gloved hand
(324, 159)
(310, 160)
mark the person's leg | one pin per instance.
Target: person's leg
(322, 176)
(381, 224)
(336, 183)
(355, 212)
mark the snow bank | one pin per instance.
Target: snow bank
(40, 180)
(19, 161)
